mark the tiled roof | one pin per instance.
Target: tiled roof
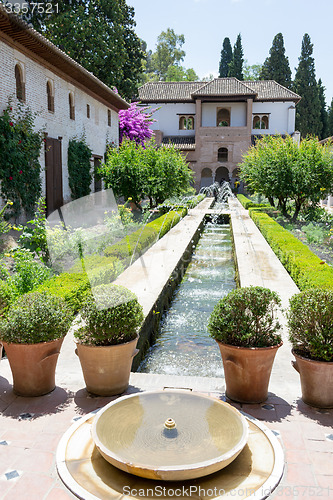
(180, 141)
(267, 90)
(168, 91)
(224, 87)
(261, 90)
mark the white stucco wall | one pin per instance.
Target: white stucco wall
(57, 124)
(281, 117)
(237, 113)
(167, 118)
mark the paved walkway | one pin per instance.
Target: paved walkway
(30, 428)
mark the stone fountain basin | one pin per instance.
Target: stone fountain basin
(130, 433)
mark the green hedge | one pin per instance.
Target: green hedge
(191, 202)
(73, 287)
(247, 203)
(305, 268)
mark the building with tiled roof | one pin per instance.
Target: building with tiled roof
(215, 122)
(68, 100)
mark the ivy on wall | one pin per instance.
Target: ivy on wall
(20, 169)
(79, 168)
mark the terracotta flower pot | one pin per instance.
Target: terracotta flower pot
(33, 366)
(316, 381)
(247, 371)
(106, 369)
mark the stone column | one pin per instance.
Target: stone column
(197, 115)
(249, 115)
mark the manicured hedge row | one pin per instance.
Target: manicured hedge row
(247, 203)
(73, 287)
(189, 203)
(76, 285)
(306, 269)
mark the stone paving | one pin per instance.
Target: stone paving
(30, 428)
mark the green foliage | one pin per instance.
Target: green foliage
(226, 58)
(251, 72)
(98, 34)
(20, 170)
(246, 317)
(168, 53)
(305, 268)
(330, 120)
(181, 74)
(33, 235)
(308, 109)
(279, 168)
(314, 234)
(113, 317)
(5, 227)
(34, 318)
(247, 203)
(323, 111)
(99, 269)
(236, 65)
(310, 324)
(79, 174)
(136, 171)
(276, 66)
(72, 287)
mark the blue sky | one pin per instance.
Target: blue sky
(205, 23)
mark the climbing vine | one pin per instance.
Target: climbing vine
(20, 169)
(79, 168)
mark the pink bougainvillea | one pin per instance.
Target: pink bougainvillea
(134, 123)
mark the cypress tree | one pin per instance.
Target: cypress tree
(308, 109)
(330, 120)
(236, 65)
(323, 110)
(226, 58)
(276, 66)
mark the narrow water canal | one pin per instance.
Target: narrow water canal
(183, 345)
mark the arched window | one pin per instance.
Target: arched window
(50, 97)
(222, 155)
(223, 117)
(20, 87)
(190, 123)
(260, 122)
(182, 123)
(71, 106)
(186, 122)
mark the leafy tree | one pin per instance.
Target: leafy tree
(226, 58)
(276, 66)
(280, 169)
(136, 171)
(323, 110)
(330, 120)
(251, 72)
(308, 109)
(79, 168)
(236, 65)
(179, 74)
(168, 52)
(98, 34)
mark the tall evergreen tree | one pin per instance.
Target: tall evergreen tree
(236, 65)
(276, 66)
(323, 110)
(308, 109)
(226, 58)
(330, 120)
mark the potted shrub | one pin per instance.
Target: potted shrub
(32, 333)
(106, 343)
(310, 322)
(245, 327)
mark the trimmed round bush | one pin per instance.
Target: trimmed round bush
(34, 318)
(111, 317)
(310, 322)
(246, 317)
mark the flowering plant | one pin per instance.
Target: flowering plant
(134, 123)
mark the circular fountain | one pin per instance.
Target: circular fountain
(169, 436)
(143, 444)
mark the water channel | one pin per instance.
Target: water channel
(183, 345)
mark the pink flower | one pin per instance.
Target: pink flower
(19, 142)
(10, 178)
(11, 124)
(21, 172)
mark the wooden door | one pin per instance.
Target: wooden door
(53, 166)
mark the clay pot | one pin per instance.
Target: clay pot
(106, 369)
(316, 381)
(247, 371)
(33, 366)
